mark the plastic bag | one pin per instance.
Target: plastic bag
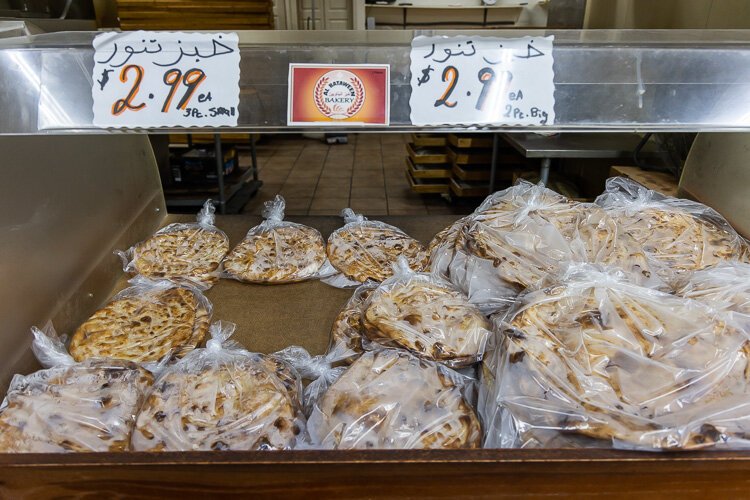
(347, 330)
(364, 250)
(725, 287)
(392, 400)
(71, 407)
(145, 322)
(678, 236)
(596, 361)
(442, 247)
(221, 397)
(427, 316)
(276, 251)
(319, 371)
(519, 236)
(181, 251)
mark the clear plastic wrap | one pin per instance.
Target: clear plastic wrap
(221, 397)
(443, 246)
(389, 399)
(364, 250)
(678, 236)
(71, 407)
(597, 361)
(347, 330)
(277, 251)
(180, 252)
(427, 316)
(145, 322)
(519, 236)
(725, 287)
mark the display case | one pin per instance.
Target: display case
(65, 229)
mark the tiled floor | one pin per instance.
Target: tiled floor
(367, 174)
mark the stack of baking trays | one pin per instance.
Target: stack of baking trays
(471, 162)
(428, 168)
(536, 321)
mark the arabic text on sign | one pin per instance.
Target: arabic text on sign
(147, 79)
(480, 80)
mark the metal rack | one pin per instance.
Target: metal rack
(678, 80)
(247, 179)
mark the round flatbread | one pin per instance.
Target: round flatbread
(429, 318)
(191, 252)
(240, 405)
(367, 250)
(606, 359)
(392, 400)
(144, 327)
(524, 239)
(80, 408)
(278, 254)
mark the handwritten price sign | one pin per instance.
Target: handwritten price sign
(463, 80)
(148, 79)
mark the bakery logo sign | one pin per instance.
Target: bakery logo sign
(338, 95)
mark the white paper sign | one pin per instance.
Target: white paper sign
(166, 79)
(463, 80)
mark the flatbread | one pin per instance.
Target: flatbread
(526, 235)
(392, 400)
(605, 359)
(367, 250)
(432, 319)
(347, 330)
(80, 408)
(144, 327)
(239, 405)
(279, 254)
(191, 252)
(677, 242)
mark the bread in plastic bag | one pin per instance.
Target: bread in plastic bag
(364, 250)
(678, 236)
(145, 322)
(519, 236)
(347, 330)
(181, 251)
(221, 397)
(389, 399)
(427, 316)
(597, 361)
(277, 251)
(71, 407)
(443, 246)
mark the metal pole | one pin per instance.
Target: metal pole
(254, 156)
(544, 171)
(220, 173)
(493, 164)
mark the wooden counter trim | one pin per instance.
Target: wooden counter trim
(378, 474)
(320, 457)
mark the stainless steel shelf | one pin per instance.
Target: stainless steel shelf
(671, 80)
(615, 145)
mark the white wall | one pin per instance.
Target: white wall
(668, 14)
